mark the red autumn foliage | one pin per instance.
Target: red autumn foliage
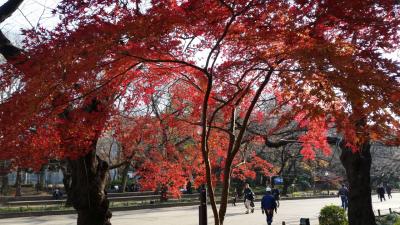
(323, 59)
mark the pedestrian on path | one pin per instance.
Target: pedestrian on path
(389, 191)
(381, 193)
(235, 197)
(248, 199)
(268, 205)
(276, 194)
(344, 196)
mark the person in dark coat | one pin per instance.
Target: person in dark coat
(235, 197)
(344, 196)
(268, 205)
(57, 194)
(189, 189)
(381, 193)
(276, 194)
(389, 191)
(248, 198)
(164, 193)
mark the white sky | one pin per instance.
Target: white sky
(30, 13)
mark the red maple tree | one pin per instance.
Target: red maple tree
(325, 58)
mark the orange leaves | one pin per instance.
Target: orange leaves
(315, 137)
(326, 55)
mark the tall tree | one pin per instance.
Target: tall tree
(61, 106)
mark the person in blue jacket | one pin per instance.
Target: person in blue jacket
(268, 205)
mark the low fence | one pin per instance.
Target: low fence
(140, 197)
(384, 212)
(46, 201)
(49, 197)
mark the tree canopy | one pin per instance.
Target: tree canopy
(322, 63)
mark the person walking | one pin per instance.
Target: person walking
(344, 196)
(248, 198)
(234, 197)
(389, 191)
(381, 193)
(377, 192)
(189, 189)
(268, 205)
(276, 194)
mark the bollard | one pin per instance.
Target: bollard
(283, 223)
(304, 221)
(390, 210)
(379, 212)
(203, 206)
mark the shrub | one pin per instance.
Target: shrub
(333, 215)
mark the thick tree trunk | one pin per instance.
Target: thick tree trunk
(85, 184)
(358, 167)
(18, 181)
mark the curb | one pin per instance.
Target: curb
(128, 208)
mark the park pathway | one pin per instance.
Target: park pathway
(290, 211)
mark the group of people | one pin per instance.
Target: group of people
(269, 202)
(381, 190)
(343, 193)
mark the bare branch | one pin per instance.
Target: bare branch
(27, 20)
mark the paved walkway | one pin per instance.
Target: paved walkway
(290, 211)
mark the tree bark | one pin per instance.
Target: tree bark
(4, 185)
(125, 176)
(42, 178)
(85, 183)
(225, 191)
(18, 183)
(357, 166)
(287, 178)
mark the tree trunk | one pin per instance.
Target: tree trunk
(42, 178)
(18, 183)
(4, 185)
(286, 184)
(124, 176)
(225, 191)
(210, 190)
(288, 179)
(358, 167)
(85, 183)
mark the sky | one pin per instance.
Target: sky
(30, 14)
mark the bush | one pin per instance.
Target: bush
(333, 215)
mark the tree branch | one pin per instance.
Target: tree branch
(8, 8)
(7, 49)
